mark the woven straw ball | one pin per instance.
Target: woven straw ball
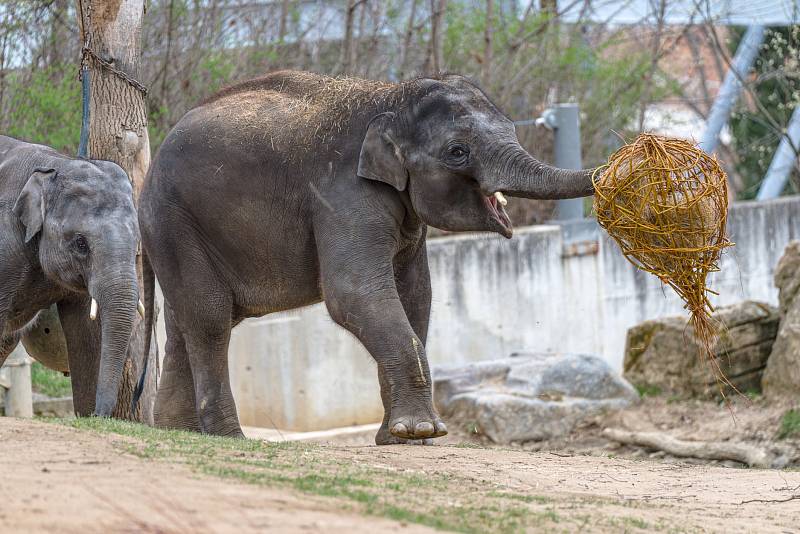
(665, 202)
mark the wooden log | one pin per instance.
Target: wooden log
(706, 450)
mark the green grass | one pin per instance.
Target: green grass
(647, 390)
(436, 499)
(49, 382)
(790, 425)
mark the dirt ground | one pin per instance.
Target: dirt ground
(58, 479)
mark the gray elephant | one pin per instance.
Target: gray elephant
(296, 188)
(69, 236)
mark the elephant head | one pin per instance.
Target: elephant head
(457, 155)
(81, 217)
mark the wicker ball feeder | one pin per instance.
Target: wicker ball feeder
(665, 202)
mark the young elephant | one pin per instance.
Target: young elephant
(294, 188)
(69, 235)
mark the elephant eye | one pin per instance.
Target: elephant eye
(81, 244)
(458, 152)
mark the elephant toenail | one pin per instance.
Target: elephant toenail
(441, 429)
(400, 430)
(423, 429)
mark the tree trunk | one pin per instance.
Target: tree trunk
(407, 41)
(488, 37)
(118, 132)
(348, 45)
(283, 21)
(434, 63)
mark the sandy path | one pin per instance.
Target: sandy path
(682, 497)
(57, 479)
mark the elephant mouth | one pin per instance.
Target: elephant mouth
(495, 205)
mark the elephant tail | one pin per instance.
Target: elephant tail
(150, 324)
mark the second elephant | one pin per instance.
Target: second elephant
(69, 236)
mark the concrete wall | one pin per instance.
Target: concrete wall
(548, 289)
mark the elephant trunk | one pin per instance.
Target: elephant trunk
(117, 302)
(515, 172)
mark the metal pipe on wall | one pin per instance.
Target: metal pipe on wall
(782, 162)
(728, 94)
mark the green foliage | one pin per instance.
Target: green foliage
(777, 90)
(46, 107)
(49, 382)
(790, 425)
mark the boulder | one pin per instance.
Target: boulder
(663, 356)
(782, 375)
(529, 397)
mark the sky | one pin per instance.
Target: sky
(734, 12)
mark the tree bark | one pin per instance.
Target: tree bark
(118, 132)
(434, 62)
(348, 45)
(407, 41)
(283, 21)
(488, 37)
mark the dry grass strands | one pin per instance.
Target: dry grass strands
(665, 202)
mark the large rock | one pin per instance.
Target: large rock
(782, 375)
(529, 396)
(664, 356)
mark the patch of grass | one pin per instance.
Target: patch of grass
(752, 394)
(790, 425)
(522, 497)
(49, 382)
(648, 390)
(468, 445)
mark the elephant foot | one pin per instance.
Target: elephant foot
(416, 424)
(384, 437)
(188, 425)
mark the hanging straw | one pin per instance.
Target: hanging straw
(665, 202)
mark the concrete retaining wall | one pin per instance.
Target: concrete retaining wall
(545, 290)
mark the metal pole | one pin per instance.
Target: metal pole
(783, 160)
(566, 124)
(728, 94)
(19, 401)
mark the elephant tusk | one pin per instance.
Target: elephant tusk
(93, 310)
(501, 198)
(140, 309)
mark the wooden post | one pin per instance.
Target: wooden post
(110, 34)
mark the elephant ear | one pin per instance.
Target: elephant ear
(30, 203)
(381, 158)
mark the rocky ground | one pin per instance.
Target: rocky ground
(754, 422)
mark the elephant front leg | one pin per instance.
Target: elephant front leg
(413, 282)
(83, 352)
(373, 311)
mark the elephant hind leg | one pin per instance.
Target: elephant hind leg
(175, 400)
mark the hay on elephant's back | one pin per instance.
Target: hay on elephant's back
(665, 202)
